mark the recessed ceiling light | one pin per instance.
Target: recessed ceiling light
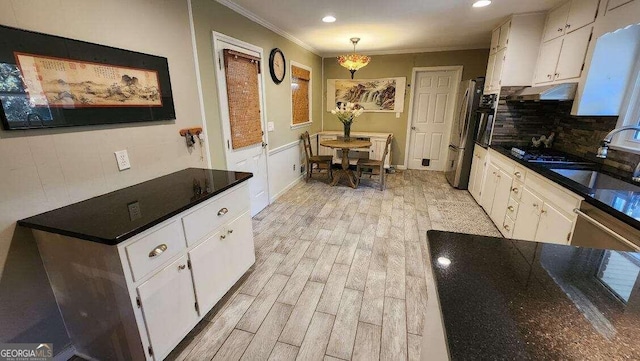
(329, 19)
(481, 3)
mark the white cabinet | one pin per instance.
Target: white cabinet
(556, 22)
(378, 141)
(514, 51)
(478, 171)
(169, 306)
(503, 39)
(489, 187)
(581, 13)
(613, 4)
(501, 196)
(326, 150)
(548, 61)
(208, 266)
(574, 50)
(495, 39)
(528, 216)
(554, 226)
(565, 42)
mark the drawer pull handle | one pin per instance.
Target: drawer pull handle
(535, 205)
(181, 267)
(506, 226)
(230, 231)
(510, 208)
(223, 211)
(222, 236)
(518, 174)
(515, 190)
(158, 250)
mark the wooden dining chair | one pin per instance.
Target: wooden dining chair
(374, 164)
(321, 161)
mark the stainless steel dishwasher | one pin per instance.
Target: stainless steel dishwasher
(598, 229)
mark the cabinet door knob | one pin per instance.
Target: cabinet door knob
(223, 211)
(515, 190)
(549, 76)
(518, 174)
(559, 30)
(181, 267)
(535, 205)
(510, 208)
(506, 226)
(158, 250)
(542, 211)
(557, 75)
(567, 26)
(230, 231)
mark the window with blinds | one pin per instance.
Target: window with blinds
(300, 94)
(242, 73)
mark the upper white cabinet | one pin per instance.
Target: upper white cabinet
(613, 4)
(574, 50)
(514, 50)
(566, 39)
(556, 22)
(582, 12)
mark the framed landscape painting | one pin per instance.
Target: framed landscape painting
(48, 81)
(374, 95)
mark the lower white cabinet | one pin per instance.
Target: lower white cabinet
(525, 205)
(378, 142)
(169, 305)
(478, 171)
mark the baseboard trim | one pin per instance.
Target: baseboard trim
(65, 354)
(401, 167)
(285, 189)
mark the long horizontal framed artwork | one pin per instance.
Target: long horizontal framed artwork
(384, 95)
(48, 81)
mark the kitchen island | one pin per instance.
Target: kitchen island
(519, 300)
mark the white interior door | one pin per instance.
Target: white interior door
(252, 158)
(434, 98)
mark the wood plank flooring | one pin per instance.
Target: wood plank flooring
(339, 273)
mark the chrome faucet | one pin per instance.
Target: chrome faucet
(604, 147)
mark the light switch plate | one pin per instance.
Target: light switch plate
(270, 126)
(122, 157)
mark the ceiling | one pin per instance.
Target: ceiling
(385, 26)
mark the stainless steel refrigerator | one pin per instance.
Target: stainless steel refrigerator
(463, 130)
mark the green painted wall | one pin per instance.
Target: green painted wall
(209, 16)
(400, 65)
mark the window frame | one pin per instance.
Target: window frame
(310, 91)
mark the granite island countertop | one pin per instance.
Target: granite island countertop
(622, 204)
(117, 216)
(503, 299)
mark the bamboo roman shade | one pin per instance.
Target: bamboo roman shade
(300, 79)
(243, 95)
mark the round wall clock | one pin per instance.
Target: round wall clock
(277, 65)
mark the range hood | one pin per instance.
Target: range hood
(557, 92)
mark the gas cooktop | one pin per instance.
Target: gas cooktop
(547, 156)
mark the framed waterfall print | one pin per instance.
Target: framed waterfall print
(374, 95)
(48, 81)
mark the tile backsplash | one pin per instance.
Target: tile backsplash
(517, 122)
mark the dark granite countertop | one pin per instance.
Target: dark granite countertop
(114, 217)
(504, 299)
(619, 203)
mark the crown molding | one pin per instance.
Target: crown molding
(255, 18)
(412, 51)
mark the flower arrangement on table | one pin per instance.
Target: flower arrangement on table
(347, 113)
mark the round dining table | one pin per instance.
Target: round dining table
(345, 146)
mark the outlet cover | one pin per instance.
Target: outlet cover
(122, 157)
(270, 126)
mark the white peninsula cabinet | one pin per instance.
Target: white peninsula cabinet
(135, 298)
(525, 205)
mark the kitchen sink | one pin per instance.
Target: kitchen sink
(596, 180)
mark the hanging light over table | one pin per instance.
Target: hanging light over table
(354, 61)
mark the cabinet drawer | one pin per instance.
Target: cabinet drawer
(213, 214)
(512, 209)
(563, 199)
(519, 174)
(151, 251)
(516, 190)
(507, 227)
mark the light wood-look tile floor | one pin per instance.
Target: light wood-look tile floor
(339, 273)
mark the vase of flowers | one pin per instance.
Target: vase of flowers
(347, 113)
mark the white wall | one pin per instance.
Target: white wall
(45, 169)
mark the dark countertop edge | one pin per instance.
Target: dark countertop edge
(125, 236)
(569, 184)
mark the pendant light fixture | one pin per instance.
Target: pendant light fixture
(354, 61)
